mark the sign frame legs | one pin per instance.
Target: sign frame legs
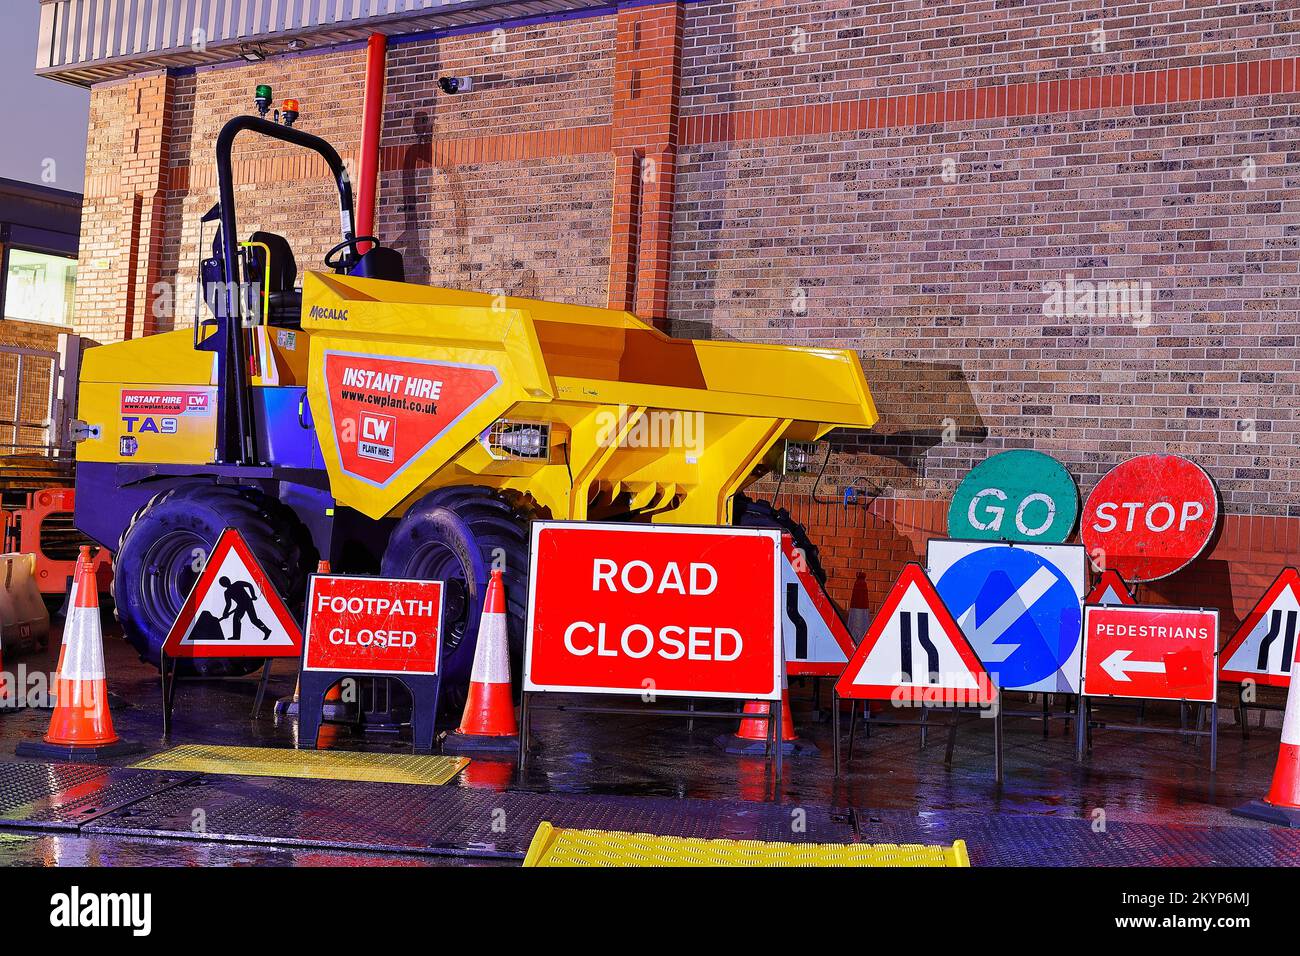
(1083, 733)
(313, 685)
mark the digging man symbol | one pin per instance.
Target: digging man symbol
(240, 601)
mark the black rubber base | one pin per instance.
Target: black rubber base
(738, 746)
(334, 713)
(44, 751)
(458, 743)
(1269, 813)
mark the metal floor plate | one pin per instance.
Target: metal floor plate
(1023, 840)
(66, 796)
(444, 820)
(429, 770)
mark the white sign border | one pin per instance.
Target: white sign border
(366, 672)
(1152, 608)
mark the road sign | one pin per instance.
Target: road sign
(816, 640)
(364, 625)
(1149, 517)
(1020, 606)
(1264, 647)
(1015, 496)
(662, 609)
(915, 652)
(1110, 590)
(233, 610)
(1161, 653)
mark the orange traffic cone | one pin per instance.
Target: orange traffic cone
(1282, 805)
(81, 727)
(488, 723)
(334, 709)
(859, 608)
(751, 739)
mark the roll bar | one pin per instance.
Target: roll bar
(235, 438)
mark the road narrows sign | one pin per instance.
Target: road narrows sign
(1149, 517)
(1110, 590)
(1264, 645)
(1161, 653)
(816, 641)
(1017, 495)
(915, 652)
(654, 609)
(233, 610)
(365, 625)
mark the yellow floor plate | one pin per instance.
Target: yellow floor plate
(314, 764)
(552, 846)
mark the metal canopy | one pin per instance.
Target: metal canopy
(88, 41)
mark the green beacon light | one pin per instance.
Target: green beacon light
(262, 98)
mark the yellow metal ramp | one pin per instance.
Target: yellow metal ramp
(553, 846)
(311, 764)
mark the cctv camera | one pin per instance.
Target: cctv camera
(455, 84)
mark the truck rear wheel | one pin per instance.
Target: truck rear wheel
(750, 512)
(154, 567)
(458, 535)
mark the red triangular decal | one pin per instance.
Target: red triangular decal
(1268, 631)
(243, 617)
(1110, 590)
(914, 651)
(817, 643)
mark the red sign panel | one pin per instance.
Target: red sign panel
(373, 625)
(1155, 652)
(1149, 517)
(387, 411)
(641, 609)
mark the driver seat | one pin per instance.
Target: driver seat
(284, 302)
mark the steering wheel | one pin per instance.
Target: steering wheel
(334, 261)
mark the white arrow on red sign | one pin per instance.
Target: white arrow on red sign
(1118, 666)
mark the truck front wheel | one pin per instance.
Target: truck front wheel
(164, 548)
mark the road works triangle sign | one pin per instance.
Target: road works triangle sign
(915, 652)
(1110, 590)
(1264, 647)
(233, 610)
(816, 640)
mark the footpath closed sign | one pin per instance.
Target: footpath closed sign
(1017, 495)
(668, 610)
(362, 625)
(1161, 653)
(1149, 517)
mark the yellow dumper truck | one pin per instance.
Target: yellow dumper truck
(413, 431)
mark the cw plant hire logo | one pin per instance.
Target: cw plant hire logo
(75, 910)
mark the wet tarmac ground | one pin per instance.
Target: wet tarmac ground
(1137, 798)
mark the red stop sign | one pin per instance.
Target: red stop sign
(1150, 516)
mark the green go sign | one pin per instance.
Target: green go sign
(1015, 496)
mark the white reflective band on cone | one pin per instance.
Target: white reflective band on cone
(492, 653)
(84, 655)
(1291, 722)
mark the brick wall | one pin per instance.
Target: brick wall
(904, 179)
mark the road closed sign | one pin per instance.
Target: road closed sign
(1149, 517)
(363, 625)
(1162, 653)
(1015, 496)
(654, 609)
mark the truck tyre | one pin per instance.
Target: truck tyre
(750, 512)
(458, 535)
(153, 569)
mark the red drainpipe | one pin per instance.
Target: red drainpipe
(372, 122)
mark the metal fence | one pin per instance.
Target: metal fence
(35, 421)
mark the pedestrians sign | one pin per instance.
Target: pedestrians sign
(654, 610)
(1264, 647)
(1020, 606)
(1015, 496)
(914, 652)
(1110, 590)
(233, 610)
(816, 640)
(1149, 517)
(1161, 653)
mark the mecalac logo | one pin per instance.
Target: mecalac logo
(320, 312)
